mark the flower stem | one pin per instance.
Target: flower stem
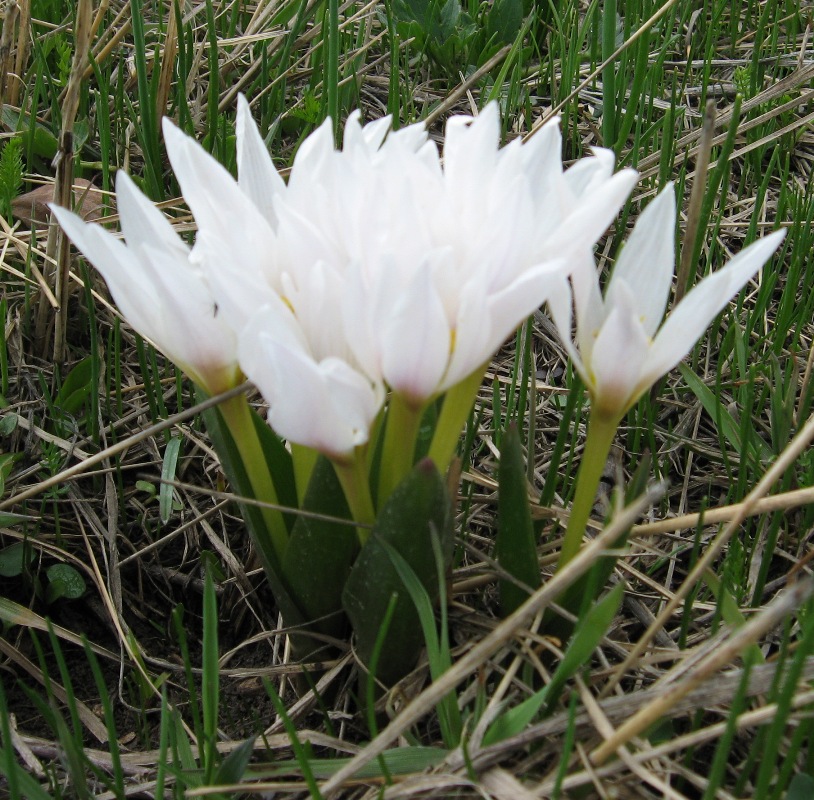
(400, 433)
(454, 412)
(303, 458)
(352, 475)
(237, 415)
(601, 432)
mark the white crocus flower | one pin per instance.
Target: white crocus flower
(459, 253)
(159, 289)
(622, 348)
(279, 279)
(433, 265)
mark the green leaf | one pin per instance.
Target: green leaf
(590, 630)
(168, 466)
(720, 416)
(252, 515)
(504, 20)
(320, 552)
(8, 518)
(15, 558)
(8, 424)
(438, 655)
(801, 787)
(45, 144)
(399, 761)
(76, 387)
(65, 581)
(280, 466)
(515, 547)
(234, 765)
(418, 509)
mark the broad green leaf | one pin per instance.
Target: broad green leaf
(45, 144)
(504, 20)
(234, 765)
(801, 787)
(515, 547)
(279, 465)
(166, 491)
(590, 630)
(8, 424)
(15, 558)
(76, 387)
(320, 552)
(64, 581)
(418, 509)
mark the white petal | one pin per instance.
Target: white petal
(135, 295)
(312, 156)
(647, 261)
(470, 146)
(691, 317)
(588, 303)
(240, 288)
(191, 335)
(588, 172)
(416, 341)
(257, 176)
(509, 307)
(471, 334)
(215, 199)
(594, 213)
(617, 359)
(412, 138)
(560, 302)
(142, 223)
(327, 406)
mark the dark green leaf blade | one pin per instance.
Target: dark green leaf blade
(320, 552)
(418, 509)
(516, 548)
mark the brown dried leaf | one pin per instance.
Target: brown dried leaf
(32, 207)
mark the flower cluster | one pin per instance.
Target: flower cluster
(375, 268)
(379, 279)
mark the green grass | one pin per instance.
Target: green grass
(209, 696)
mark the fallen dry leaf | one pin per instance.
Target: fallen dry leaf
(32, 207)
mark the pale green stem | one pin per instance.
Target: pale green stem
(352, 475)
(400, 434)
(601, 432)
(237, 415)
(303, 458)
(455, 411)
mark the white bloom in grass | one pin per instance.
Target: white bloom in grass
(622, 348)
(280, 278)
(459, 254)
(375, 266)
(432, 266)
(159, 290)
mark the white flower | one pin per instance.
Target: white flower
(279, 278)
(158, 288)
(431, 265)
(460, 254)
(621, 346)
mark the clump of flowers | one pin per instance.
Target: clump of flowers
(374, 285)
